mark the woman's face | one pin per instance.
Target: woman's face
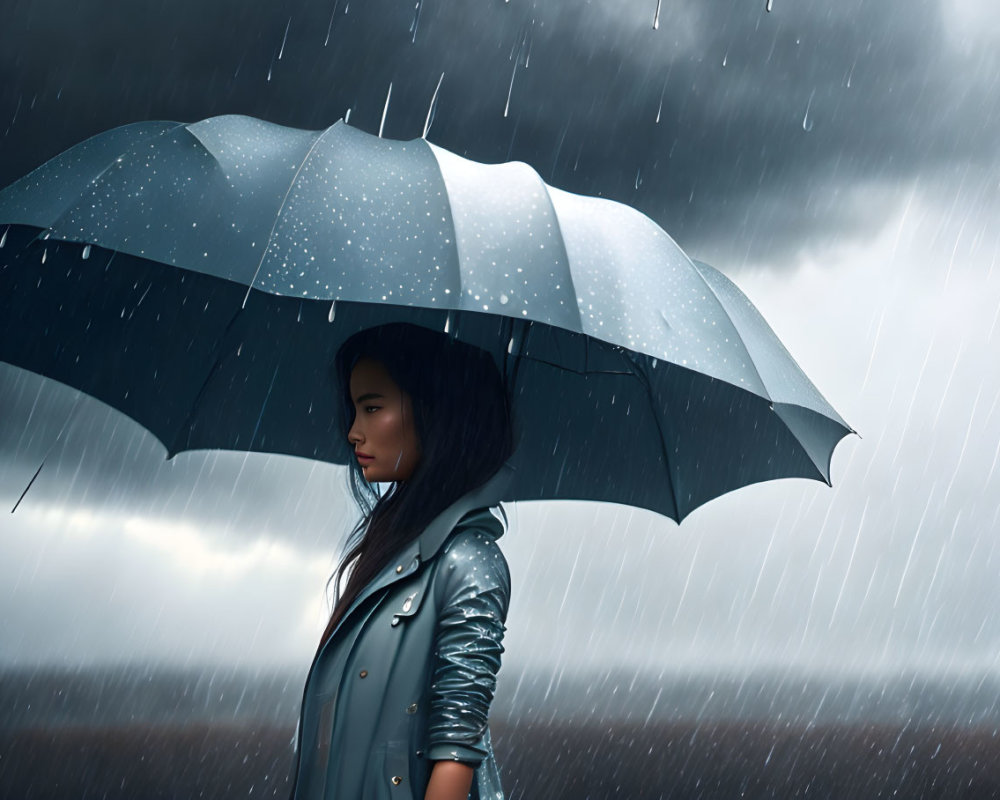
(383, 427)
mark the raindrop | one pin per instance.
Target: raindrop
(510, 89)
(656, 16)
(447, 323)
(770, 3)
(284, 39)
(504, 299)
(86, 252)
(725, 59)
(333, 311)
(45, 253)
(3, 239)
(638, 180)
(416, 20)
(347, 116)
(433, 107)
(330, 26)
(807, 124)
(385, 110)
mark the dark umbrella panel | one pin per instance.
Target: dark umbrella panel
(200, 278)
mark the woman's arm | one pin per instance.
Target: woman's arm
(450, 780)
(472, 593)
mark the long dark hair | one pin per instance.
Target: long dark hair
(462, 416)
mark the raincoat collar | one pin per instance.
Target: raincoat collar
(484, 497)
(426, 545)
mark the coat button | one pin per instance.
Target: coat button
(420, 753)
(407, 604)
(411, 708)
(395, 621)
(399, 568)
(396, 780)
(363, 673)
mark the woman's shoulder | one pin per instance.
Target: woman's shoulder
(474, 536)
(471, 555)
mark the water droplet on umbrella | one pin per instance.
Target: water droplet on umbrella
(333, 311)
(504, 299)
(86, 252)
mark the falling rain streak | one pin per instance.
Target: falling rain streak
(513, 74)
(416, 20)
(656, 16)
(807, 123)
(385, 110)
(432, 109)
(329, 27)
(284, 39)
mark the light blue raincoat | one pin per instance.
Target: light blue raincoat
(408, 675)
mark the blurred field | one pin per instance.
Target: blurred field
(554, 761)
(145, 733)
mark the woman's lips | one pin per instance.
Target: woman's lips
(363, 457)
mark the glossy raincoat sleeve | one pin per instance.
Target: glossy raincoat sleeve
(474, 594)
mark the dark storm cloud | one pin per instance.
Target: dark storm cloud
(777, 132)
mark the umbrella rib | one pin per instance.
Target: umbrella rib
(767, 393)
(562, 247)
(185, 426)
(770, 400)
(277, 215)
(643, 378)
(451, 213)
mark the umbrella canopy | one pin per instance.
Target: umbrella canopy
(200, 277)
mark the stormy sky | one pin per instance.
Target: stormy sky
(838, 160)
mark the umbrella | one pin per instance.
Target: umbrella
(200, 277)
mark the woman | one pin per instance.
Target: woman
(397, 698)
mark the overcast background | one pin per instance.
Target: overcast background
(839, 161)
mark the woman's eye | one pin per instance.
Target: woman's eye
(372, 408)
